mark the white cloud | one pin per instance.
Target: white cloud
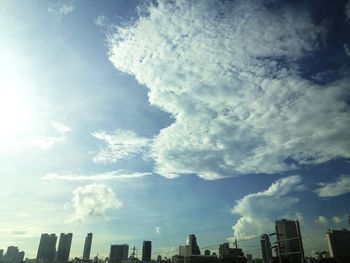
(47, 142)
(337, 220)
(61, 9)
(100, 21)
(229, 78)
(339, 187)
(258, 211)
(157, 229)
(114, 175)
(92, 201)
(322, 220)
(120, 145)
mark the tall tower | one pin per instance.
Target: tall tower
(146, 251)
(64, 247)
(118, 253)
(47, 248)
(289, 242)
(266, 248)
(87, 247)
(192, 242)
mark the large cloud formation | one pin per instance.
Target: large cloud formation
(227, 71)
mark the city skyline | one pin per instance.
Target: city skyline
(142, 120)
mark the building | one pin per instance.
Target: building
(11, 254)
(1, 254)
(227, 254)
(249, 258)
(146, 251)
(266, 250)
(118, 253)
(87, 247)
(47, 248)
(192, 243)
(339, 245)
(64, 247)
(289, 242)
(184, 251)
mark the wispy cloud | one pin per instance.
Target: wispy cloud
(229, 76)
(114, 175)
(157, 229)
(92, 202)
(47, 142)
(119, 145)
(61, 9)
(339, 187)
(258, 211)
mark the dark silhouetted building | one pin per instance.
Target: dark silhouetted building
(118, 253)
(146, 250)
(266, 251)
(228, 255)
(1, 254)
(289, 242)
(339, 245)
(64, 247)
(47, 248)
(87, 246)
(192, 243)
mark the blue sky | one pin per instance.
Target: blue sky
(140, 121)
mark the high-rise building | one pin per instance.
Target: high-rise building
(289, 241)
(47, 248)
(20, 257)
(1, 254)
(118, 253)
(64, 247)
(184, 251)
(146, 250)
(266, 251)
(87, 247)
(12, 254)
(192, 242)
(339, 244)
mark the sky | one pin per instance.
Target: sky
(153, 120)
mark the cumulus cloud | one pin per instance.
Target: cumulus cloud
(92, 201)
(258, 211)
(120, 145)
(322, 220)
(227, 72)
(47, 142)
(114, 175)
(339, 187)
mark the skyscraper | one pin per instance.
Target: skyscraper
(118, 253)
(339, 244)
(289, 242)
(64, 247)
(146, 251)
(192, 242)
(47, 248)
(12, 254)
(266, 251)
(87, 247)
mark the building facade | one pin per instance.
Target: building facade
(289, 242)
(146, 251)
(339, 244)
(118, 253)
(192, 243)
(47, 248)
(87, 247)
(266, 251)
(64, 247)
